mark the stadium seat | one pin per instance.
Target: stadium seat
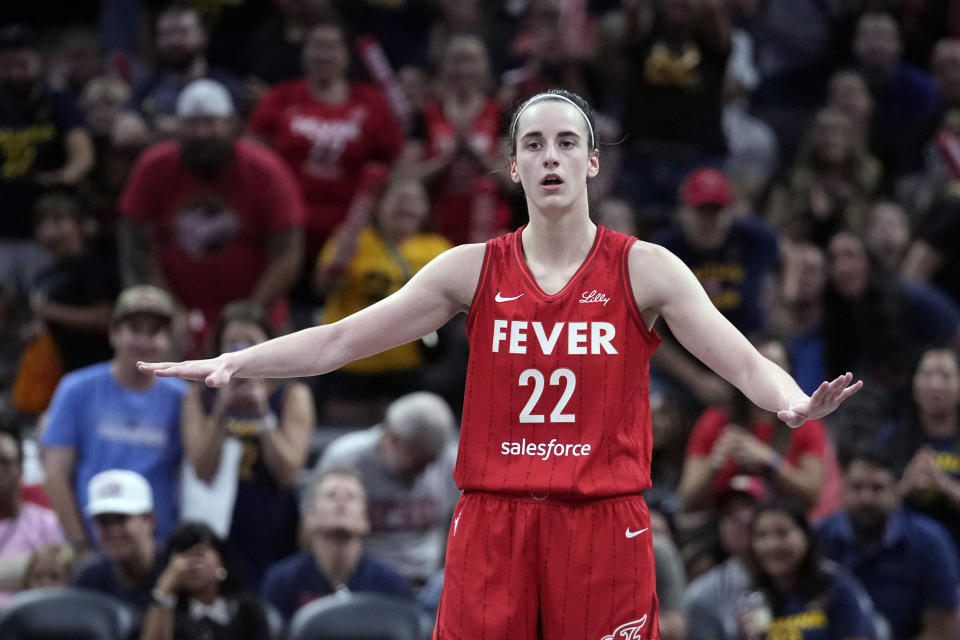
(357, 616)
(65, 613)
(275, 622)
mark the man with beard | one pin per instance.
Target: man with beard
(42, 143)
(335, 524)
(211, 218)
(181, 43)
(905, 561)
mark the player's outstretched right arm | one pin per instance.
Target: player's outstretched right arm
(440, 290)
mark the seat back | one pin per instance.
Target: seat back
(65, 613)
(357, 616)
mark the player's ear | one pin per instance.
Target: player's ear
(514, 174)
(593, 166)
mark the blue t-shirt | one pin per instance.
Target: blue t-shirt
(843, 613)
(913, 568)
(112, 427)
(735, 273)
(296, 581)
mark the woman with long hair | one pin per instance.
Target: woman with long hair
(831, 184)
(798, 594)
(273, 421)
(458, 152)
(197, 596)
(929, 439)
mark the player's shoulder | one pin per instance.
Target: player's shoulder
(644, 256)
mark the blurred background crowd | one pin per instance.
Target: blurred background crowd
(183, 179)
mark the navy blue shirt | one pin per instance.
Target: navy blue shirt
(97, 573)
(843, 613)
(734, 274)
(296, 581)
(911, 569)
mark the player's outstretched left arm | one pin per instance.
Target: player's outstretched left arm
(440, 290)
(663, 285)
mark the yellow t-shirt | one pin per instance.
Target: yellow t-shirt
(371, 275)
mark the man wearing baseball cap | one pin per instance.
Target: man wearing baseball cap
(735, 259)
(120, 502)
(713, 599)
(110, 416)
(213, 217)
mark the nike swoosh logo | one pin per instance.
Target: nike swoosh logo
(499, 297)
(633, 534)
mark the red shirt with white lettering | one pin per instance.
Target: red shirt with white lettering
(557, 399)
(326, 145)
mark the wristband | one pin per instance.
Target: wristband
(163, 600)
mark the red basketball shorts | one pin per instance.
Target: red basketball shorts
(524, 569)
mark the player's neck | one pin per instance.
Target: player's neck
(556, 241)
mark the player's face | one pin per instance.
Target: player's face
(778, 543)
(936, 383)
(553, 158)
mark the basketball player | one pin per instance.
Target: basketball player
(551, 537)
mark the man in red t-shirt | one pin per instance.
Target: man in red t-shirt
(211, 218)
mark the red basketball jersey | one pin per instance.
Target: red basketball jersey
(557, 398)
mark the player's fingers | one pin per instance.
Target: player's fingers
(791, 418)
(150, 367)
(849, 391)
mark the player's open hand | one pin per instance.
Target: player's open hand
(824, 401)
(215, 372)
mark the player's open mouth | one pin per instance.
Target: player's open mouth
(551, 182)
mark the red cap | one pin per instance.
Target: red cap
(706, 186)
(752, 486)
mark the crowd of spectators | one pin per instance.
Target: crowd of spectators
(191, 177)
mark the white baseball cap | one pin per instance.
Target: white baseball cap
(119, 491)
(204, 97)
